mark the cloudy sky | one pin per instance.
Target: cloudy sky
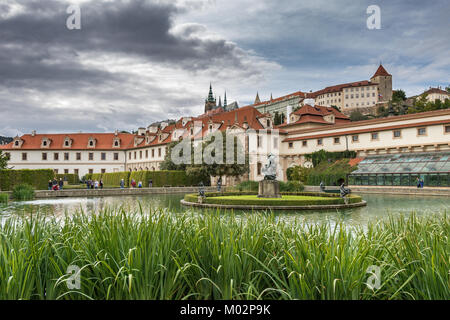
(136, 62)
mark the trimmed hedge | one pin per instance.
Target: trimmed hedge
(38, 179)
(4, 197)
(159, 178)
(327, 199)
(164, 178)
(71, 177)
(290, 186)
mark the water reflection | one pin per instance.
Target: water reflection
(378, 206)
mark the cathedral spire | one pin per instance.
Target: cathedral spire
(225, 100)
(257, 100)
(220, 102)
(210, 95)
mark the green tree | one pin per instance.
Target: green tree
(398, 95)
(356, 115)
(3, 160)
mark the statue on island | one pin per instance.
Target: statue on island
(269, 187)
(270, 169)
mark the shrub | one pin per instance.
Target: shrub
(112, 179)
(164, 178)
(248, 186)
(23, 192)
(4, 197)
(38, 179)
(291, 186)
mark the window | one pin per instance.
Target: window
(78, 156)
(447, 129)
(66, 143)
(397, 133)
(44, 156)
(304, 143)
(91, 156)
(355, 138)
(91, 171)
(103, 156)
(103, 170)
(375, 136)
(153, 153)
(16, 143)
(319, 142)
(291, 145)
(55, 171)
(24, 156)
(159, 152)
(66, 171)
(421, 131)
(259, 166)
(258, 141)
(76, 171)
(91, 143)
(268, 123)
(56, 156)
(135, 155)
(140, 154)
(116, 143)
(66, 156)
(44, 143)
(129, 156)
(337, 140)
(146, 154)
(116, 156)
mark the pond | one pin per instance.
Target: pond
(378, 206)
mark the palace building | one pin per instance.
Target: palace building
(418, 143)
(364, 96)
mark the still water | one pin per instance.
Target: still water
(378, 207)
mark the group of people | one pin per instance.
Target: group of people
(94, 184)
(55, 184)
(419, 183)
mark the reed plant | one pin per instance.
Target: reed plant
(154, 254)
(23, 192)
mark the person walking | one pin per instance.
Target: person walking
(140, 184)
(96, 184)
(50, 184)
(88, 184)
(150, 183)
(122, 184)
(101, 184)
(61, 183)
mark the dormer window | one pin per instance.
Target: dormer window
(16, 143)
(116, 142)
(67, 142)
(91, 143)
(44, 143)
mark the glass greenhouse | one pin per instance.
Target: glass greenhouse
(403, 170)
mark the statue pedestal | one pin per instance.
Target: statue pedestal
(269, 189)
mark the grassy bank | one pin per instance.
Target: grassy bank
(125, 255)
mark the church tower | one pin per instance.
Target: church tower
(210, 102)
(384, 81)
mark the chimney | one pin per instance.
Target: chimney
(33, 133)
(116, 133)
(288, 114)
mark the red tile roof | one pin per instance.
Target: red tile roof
(436, 90)
(381, 71)
(104, 141)
(310, 114)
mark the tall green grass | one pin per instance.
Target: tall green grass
(157, 255)
(4, 197)
(23, 192)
